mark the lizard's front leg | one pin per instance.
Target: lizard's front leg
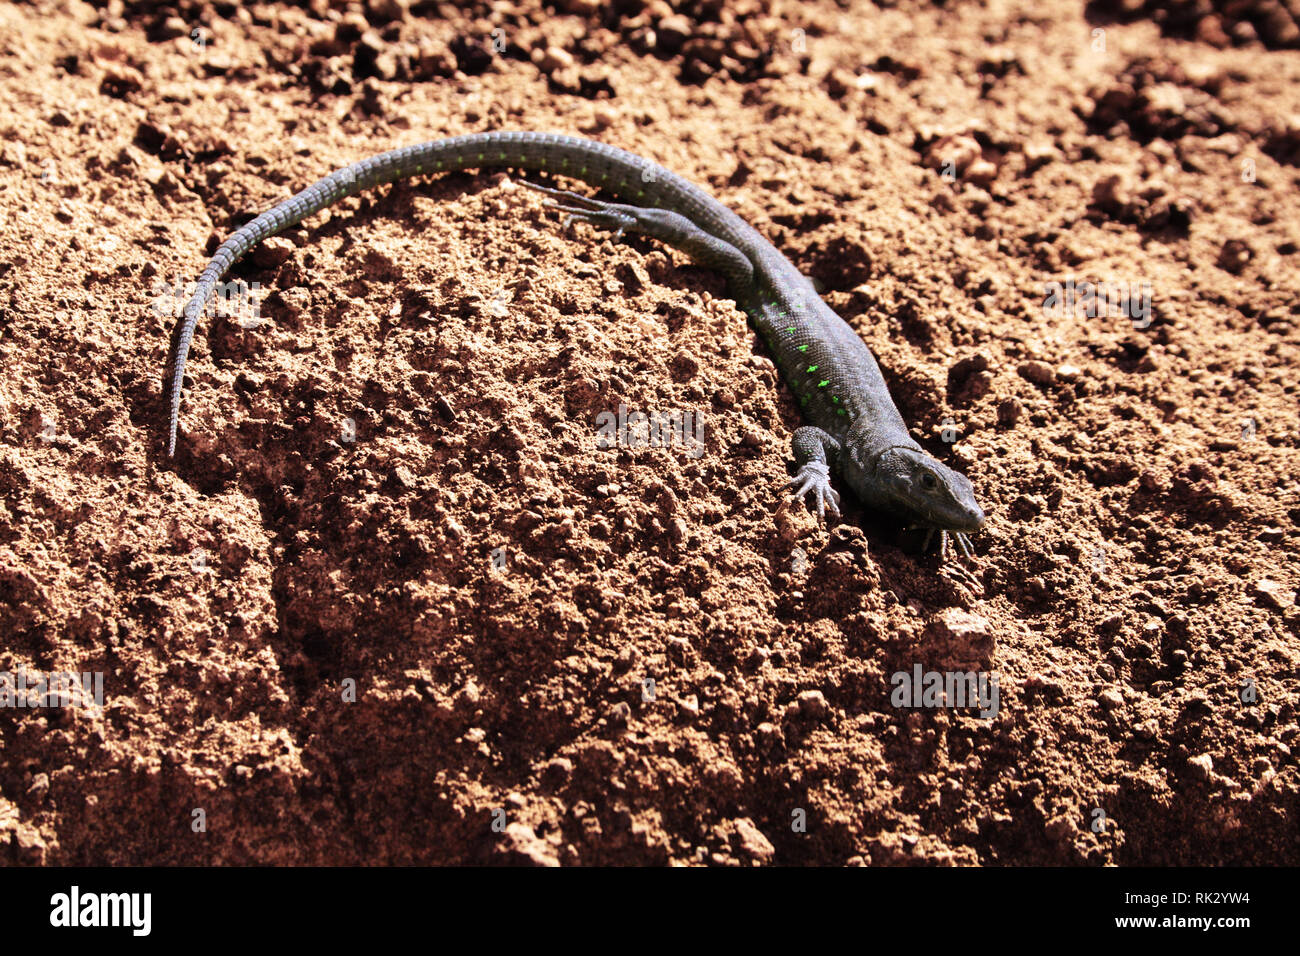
(814, 451)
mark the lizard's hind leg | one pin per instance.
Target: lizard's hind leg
(667, 226)
(586, 209)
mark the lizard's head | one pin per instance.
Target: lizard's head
(910, 483)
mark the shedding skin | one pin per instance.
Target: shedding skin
(854, 427)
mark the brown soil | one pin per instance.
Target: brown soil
(425, 387)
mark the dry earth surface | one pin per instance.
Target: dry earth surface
(391, 603)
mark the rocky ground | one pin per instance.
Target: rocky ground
(392, 603)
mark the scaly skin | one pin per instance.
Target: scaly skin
(855, 425)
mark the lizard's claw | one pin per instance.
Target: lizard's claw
(815, 477)
(945, 549)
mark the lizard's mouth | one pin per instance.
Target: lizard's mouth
(973, 520)
(969, 520)
(964, 518)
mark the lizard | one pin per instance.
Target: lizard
(854, 425)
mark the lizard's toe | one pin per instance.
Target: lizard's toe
(831, 498)
(963, 542)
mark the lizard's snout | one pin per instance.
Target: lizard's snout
(969, 519)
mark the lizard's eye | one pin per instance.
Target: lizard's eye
(928, 481)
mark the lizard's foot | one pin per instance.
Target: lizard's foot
(610, 215)
(666, 225)
(815, 477)
(945, 549)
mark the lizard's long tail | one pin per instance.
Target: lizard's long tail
(605, 167)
